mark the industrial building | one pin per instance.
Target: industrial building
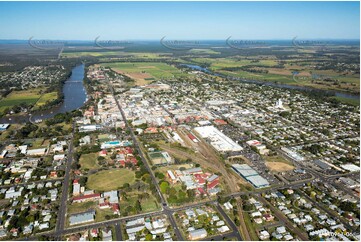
(217, 139)
(250, 175)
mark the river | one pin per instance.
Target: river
(272, 84)
(74, 97)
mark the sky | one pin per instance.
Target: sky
(179, 20)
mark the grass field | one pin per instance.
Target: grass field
(350, 101)
(81, 207)
(110, 179)
(29, 97)
(144, 72)
(47, 97)
(89, 161)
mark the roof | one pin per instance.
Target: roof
(81, 217)
(86, 197)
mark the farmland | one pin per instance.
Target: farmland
(144, 72)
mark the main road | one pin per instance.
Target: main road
(64, 196)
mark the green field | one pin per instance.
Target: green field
(142, 70)
(47, 97)
(29, 97)
(89, 161)
(110, 179)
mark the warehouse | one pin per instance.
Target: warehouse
(250, 175)
(217, 139)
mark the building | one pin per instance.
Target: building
(81, 218)
(36, 152)
(85, 198)
(217, 139)
(4, 127)
(250, 175)
(197, 234)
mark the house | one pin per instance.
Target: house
(223, 229)
(107, 235)
(281, 230)
(94, 232)
(264, 235)
(197, 234)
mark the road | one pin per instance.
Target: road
(235, 233)
(64, 196)
(118, 232)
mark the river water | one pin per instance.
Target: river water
(272, 84)
(74, 97)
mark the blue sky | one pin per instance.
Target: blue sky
(179, 20)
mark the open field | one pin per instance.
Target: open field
(144, 72)
(47, 97)
(279, 166)
(110, 179)
(89, 161)
(270, 69)
(81, 207)
(29, 97)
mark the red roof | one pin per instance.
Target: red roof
(86, 197)
(220, 122)
(201, 190)
(213, 184)
(76, 181)
(191, 136)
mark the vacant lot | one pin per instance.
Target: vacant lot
(89, 161)
(110, 179)
(279, 166)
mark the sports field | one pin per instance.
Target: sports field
(110, 179)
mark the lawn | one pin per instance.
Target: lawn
(110, 179)
(29, 97)
(81, 207)
(89, 161)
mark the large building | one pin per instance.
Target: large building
(217, 139)
(250, 175)
(81, 218)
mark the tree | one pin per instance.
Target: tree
(148, 237)
(138, 206)
(163, 186)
